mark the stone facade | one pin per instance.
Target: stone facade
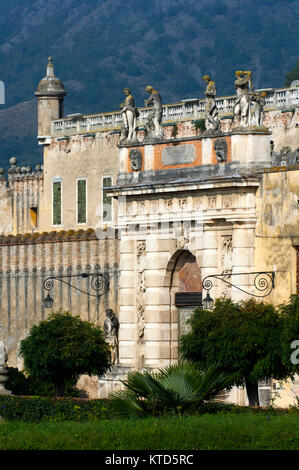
(181, 206)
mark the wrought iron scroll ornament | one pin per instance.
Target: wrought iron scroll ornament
(263, 282)
(98, 281)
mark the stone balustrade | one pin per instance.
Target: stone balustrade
(191, 109)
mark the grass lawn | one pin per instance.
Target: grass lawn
(210, 431)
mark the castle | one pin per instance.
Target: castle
(148, 203)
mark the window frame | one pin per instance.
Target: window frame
(86, 201)
(57, 180)
(102, 212)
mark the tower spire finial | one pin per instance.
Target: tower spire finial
(50, 68)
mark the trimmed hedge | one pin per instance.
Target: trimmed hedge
(20, 384)
(34, 408)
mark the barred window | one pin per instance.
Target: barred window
(107, 201)
(81, 201)
(57, 202)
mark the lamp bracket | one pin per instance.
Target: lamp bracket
(264, 281)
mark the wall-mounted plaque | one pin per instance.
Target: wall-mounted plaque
(178, 155)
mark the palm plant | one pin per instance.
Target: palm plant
(176, 388)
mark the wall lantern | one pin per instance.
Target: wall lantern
(208, 302)
(263, 282)
(48, 302)
(99, 282)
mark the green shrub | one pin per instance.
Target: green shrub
(199, 124)
(63, 347)
(19, 384)
(33, 408)
(175, 389)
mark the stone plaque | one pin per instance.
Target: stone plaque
(178, 155)
(188, 299)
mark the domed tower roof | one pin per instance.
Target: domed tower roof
(50, 85)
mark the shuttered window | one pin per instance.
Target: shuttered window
(107, 202)
(57, 203)
(81, 201)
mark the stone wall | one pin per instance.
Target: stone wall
(26, 261)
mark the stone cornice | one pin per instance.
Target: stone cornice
(201, 136)
(49, 237)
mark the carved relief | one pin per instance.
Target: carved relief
(227, 260)
(181, 236)
(130, 208)
(182, 204)
(141, 208)
(212, 202)
(168, 205)
(227, 200)
(141, 252)
(221, 150)
(154, 207)
(135, 156)
(197, 203)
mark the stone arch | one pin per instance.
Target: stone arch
(183, 275)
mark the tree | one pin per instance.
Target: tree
(63, 347)
(290, 334)
(246, 339)
(292, 75)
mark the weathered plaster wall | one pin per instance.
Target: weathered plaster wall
(277, 230)
(25, 262)
(79, 157)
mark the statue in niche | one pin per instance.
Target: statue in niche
(257, 107)
(221, 150)
(153, 126)
(135, 156)
(129, 115)
(243, 85)
(111, 326)
(211, 111)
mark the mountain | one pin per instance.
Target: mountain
(101, 46)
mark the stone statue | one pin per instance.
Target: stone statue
(111, 326)
(211, 111)
(243, 85)
(153, 126)
(257, 107)
(129, 115)
(3, 370)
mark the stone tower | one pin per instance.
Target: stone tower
(50, 94)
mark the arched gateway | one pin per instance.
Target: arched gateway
(183, 214)
(183, 277)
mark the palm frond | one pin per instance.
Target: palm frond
(173, 388)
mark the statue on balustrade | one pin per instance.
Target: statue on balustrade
(129, 115)
(111, 326)
(243, 85)
(257, 108)
(153, 126)
(211, 111)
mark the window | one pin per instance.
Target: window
(57, 202)
(81, 201)
(107, 201)
(33, 216)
